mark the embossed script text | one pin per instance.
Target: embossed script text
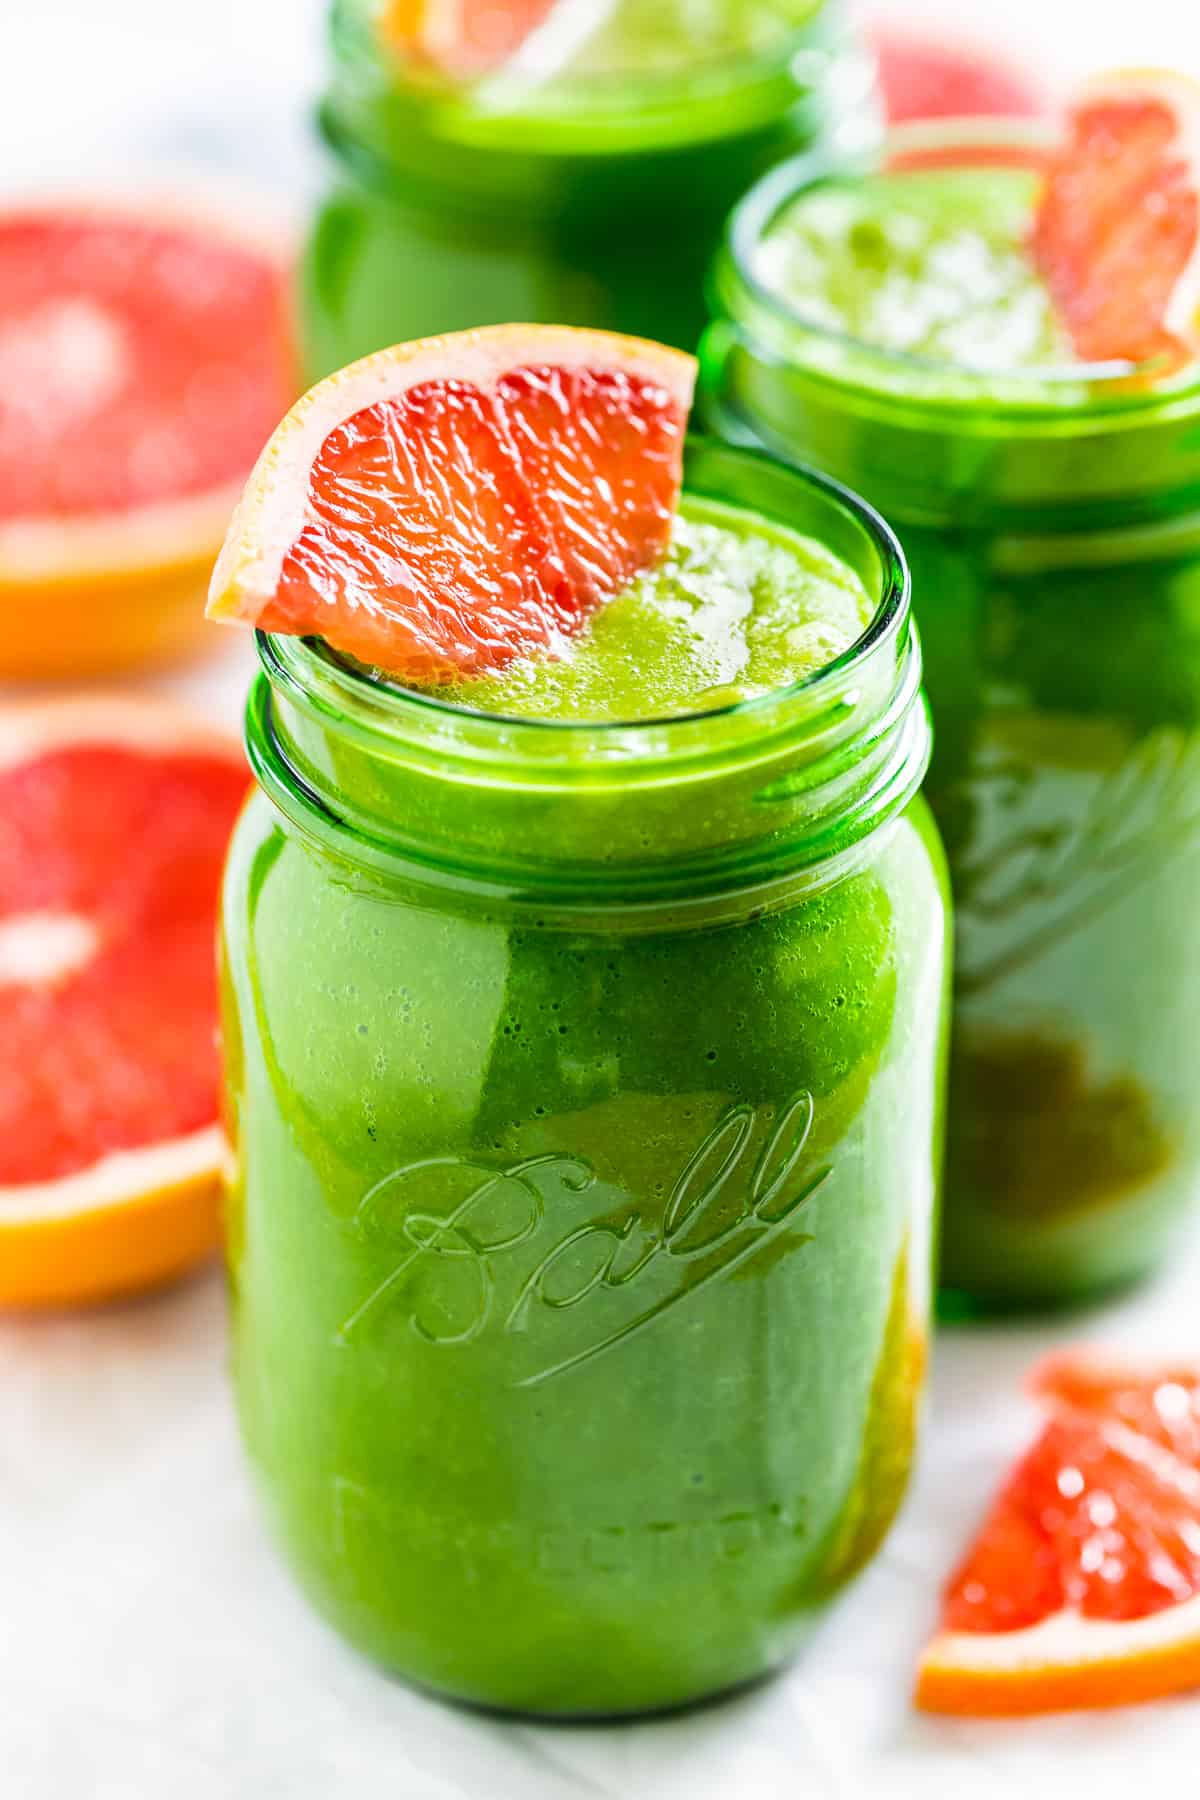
(492, 1255)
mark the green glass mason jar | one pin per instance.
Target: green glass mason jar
(585, 1093)
(594, 199)
(1052, 522)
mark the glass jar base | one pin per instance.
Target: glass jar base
(592, 1716)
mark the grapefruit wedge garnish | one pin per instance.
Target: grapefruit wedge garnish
(114, 818)
(1117, 231)
(448, 505)
(145, 355)
(1083, 1587)
(462, 38)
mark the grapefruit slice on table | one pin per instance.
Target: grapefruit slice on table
(1161, 1402)
(463, 38)
(145, 355)
(114, 818)
(927, 78)
(448, 505)
(1117, 231)
(1083, 1586)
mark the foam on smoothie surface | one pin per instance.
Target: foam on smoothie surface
(739, 606)
(930, 263)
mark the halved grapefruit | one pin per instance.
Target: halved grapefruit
(448, 505)
(145, 355)
(463, 38)
(1083, 1587)
(928, 78)
(114, 818)
(1117, 231)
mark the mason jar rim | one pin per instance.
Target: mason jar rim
(788, 786)
(633, 86)
(812, 68)
(1115, 387)
(307, 664)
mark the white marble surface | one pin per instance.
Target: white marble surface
(151, 1648)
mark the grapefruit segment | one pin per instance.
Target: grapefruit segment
(1117, 231)
(114, 817)
(446, 506)
(145, 353)
(1082, 1588)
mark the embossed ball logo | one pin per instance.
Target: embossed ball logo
(496, 1260)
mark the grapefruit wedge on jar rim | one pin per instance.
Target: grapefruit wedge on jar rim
(445, 507)
(115, 813)
(1116, 237)
(1082, 1588)
(145, 355)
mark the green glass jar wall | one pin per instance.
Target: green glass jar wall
(1052, 522)
(594, 200)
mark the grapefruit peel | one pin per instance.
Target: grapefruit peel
(1065, 1662)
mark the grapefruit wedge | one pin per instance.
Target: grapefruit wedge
(448, 505)
(462, 38)
(145, 355)
(114, 818)
(1083, 1587)
(1117, 232)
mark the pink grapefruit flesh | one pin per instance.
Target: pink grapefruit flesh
(495, 488)
(1117, 232)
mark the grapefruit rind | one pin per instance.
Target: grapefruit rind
(120, 1246)
(163, 536)
(140, 1217)
(274, 508)
(1062, 1663)
(145, 723)
(122, 1176)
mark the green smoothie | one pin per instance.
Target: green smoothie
(584, 1084)
(739, 606)
(894, 331)
(583, 182)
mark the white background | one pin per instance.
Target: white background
(150, 1646)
